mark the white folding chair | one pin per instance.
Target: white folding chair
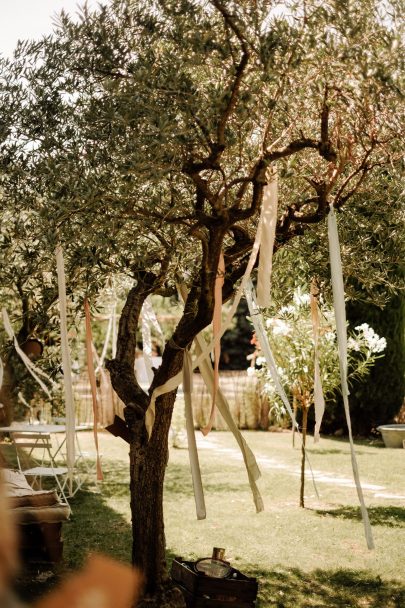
(35, 460)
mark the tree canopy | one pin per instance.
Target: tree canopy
(140, 138)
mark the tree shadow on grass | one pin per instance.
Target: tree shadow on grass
(391, 517)
(178, 481)
(293, 588)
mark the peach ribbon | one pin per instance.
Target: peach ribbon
(92, 378)
(216, 326)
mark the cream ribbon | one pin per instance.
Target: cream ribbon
(173, 383)
(93, 386)
(207, 374)
(192, 445)
(340, 317)
(319, 401)
(268, 221)
(249, 459)
(216, 324)
(67, 369)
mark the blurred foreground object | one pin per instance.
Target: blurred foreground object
(8, 546)
(103, 583)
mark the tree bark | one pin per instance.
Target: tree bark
(148, 460)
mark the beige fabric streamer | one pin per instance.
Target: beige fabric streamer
(319, 401)
(92, 378)
(114, 333)
(249, 459)
(224, 409)
(107, 398)
(340, 317)
(67, 370)
(192, 445)
(106, 391)
(216, 324)
(268, 220)
(174, 382)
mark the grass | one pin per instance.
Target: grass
(312, 557)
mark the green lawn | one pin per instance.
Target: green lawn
(312, 557)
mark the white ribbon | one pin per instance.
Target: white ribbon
(147, 347)
(67, 369)
(149, 320)
(268, 220)
(149, 313)
(261, 334)
(33, 370)
(216, 329)
(100, 360)
(192, 445)
(223, 407)
(340, 317)
(258, 324)
(319, 401)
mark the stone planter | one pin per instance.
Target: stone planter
(393, 435)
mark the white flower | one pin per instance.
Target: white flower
(280, 328)
(301, 299)
(374, 343)
(260, 360)
(287, 310)
(251, 371)
(353, 345)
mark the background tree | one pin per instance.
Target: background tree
(150, 127)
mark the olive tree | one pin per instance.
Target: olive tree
(151, 128)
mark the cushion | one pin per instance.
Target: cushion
(42, 515)
(43, 498)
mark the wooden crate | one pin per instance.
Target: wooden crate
(41, 542)
(201, 591)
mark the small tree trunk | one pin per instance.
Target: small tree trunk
(148, 461)
(304, 438)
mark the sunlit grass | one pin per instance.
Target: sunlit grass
(312, 557)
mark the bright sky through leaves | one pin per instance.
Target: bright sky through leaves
(30, 19)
